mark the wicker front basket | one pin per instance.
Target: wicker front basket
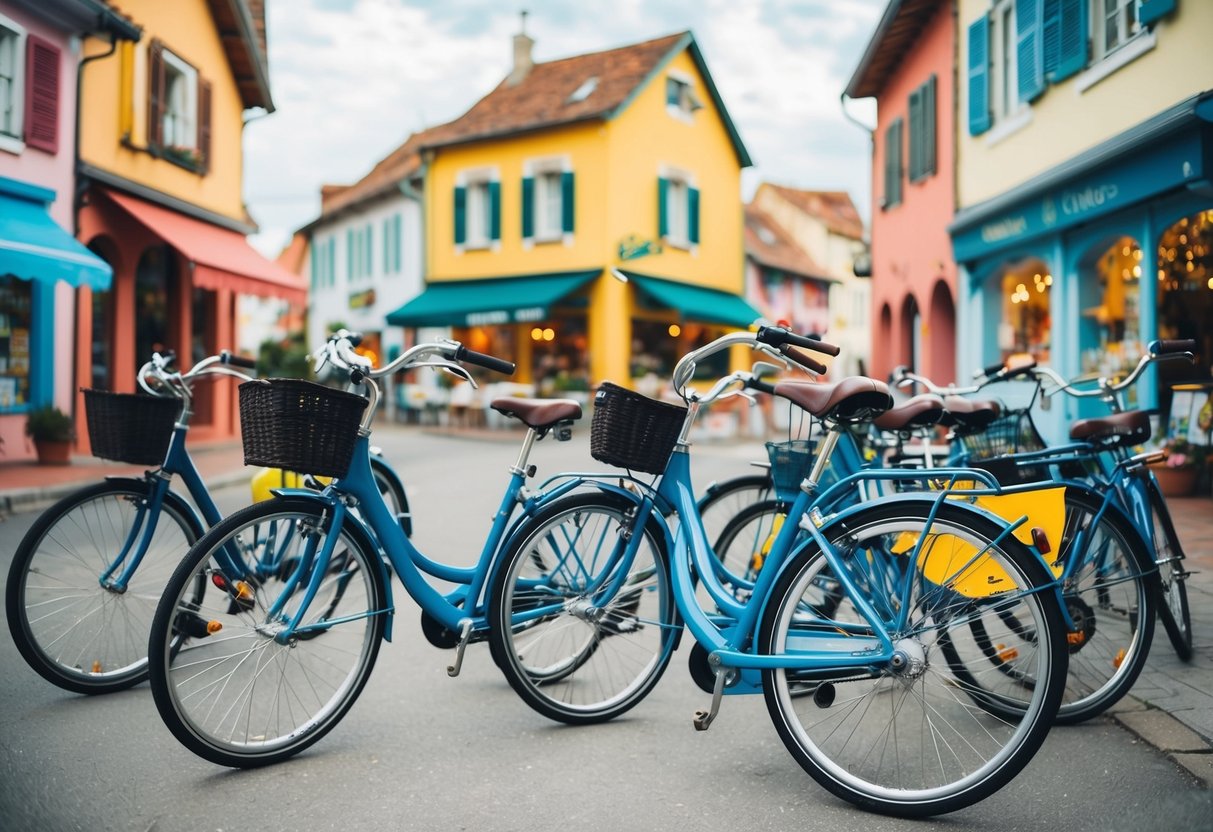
(633, 431)
(299, 425)
(130, 427)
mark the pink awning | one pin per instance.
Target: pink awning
(222, 259)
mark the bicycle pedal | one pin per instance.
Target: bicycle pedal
(195, 626)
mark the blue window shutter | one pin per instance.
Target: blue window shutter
(333, 261)
(528, 207)
(368, 267)
(1149, 11)
(1029, 58)
(979, 76)
(1072, 29)
(693, 215)
(567, 205)
(387, 246)
(461, 216)
(1050, 37)
(663, 217)
(399, 244)
(349, 254)
(494, 210)
(916, 136)
(315, 265)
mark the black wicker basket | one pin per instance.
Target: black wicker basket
(790, 464)
(633, 431)
(1012, 433)
(299, 425)
(130, 427)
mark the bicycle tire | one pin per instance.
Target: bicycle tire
(1173, 592)
(964, 754)
(722, 501)
(72, 630)
(204, 691)
(746, 538)
(391, 488)
(591, 658)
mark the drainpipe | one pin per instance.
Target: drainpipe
(78, 194)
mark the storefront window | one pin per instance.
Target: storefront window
(1185, 297)
(1026, 327)
(152, 283)
(16, 315)
(559, 353)
(1111, 303)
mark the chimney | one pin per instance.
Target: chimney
(522, 56)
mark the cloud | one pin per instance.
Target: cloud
(352, 78)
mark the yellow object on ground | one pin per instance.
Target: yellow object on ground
(269, 478)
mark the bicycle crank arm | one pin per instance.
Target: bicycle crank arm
(724, 675)
(465, 633)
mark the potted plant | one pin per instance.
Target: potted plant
(1177, 474)
(52, 431)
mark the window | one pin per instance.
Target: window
(1117, 24)
(547, 201)
(477, 210)
(179, 118)
(922, 131)
(680, 100)
(12, 51)
(892, 164)
(16, 320)
(678, 210)
(1004, 75)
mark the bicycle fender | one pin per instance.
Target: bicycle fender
(171, 497)
(368, 538)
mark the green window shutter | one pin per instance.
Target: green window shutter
(332, 270)
(1149, 11)
(461, 216)
(663, 217)
(387, 246)
(398, 261)
(928, 127)
(528, 207)
(1071, 47)
(916, 134)
(979, 76)
(349, 254)
(567, 206)
(494, 211)
(892, 164)
(693, 215)
(1029, 59)
(369, 265)
(316, 253)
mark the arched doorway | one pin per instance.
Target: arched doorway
(1185, 297)
(910, 348)
(156, 288)
(941, 329)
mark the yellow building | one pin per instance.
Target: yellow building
(618, 160)
(160, 175)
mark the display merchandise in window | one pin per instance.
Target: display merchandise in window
(16, 315)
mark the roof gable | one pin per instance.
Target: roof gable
(550, 95)
(769, 244)
(833, 208)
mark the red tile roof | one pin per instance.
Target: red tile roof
(384, 177)
(770, 245)
(542, 98)
(834, 208)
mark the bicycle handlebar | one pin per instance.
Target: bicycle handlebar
(489, 362)
(179, 384)
(779, 343)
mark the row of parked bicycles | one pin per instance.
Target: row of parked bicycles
(915, 621)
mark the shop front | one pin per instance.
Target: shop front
(1084, 265)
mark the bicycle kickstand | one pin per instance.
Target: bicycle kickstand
(465, 633)
(724, 676)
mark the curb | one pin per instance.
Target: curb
(1179, 743)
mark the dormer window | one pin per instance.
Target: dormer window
(680, 100)
(585, 90)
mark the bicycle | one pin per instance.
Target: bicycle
(272, 662)
(85, 578)
(815, 635)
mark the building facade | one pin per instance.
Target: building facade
(621, 160)
(161, 172)
(907, 69)
(41, 264)
(1085, 227)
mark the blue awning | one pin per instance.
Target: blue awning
(34, 247)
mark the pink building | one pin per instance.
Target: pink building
(907, 68)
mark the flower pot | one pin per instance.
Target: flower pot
(1175, 482)
(51, 452)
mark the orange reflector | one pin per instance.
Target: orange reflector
(1119, 660)
(243, 591)
(1007, 654)
(96, 667)
(1075, 638)
(213, 627)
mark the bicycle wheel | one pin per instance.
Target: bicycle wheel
(392, 490)
(908, 737)
(233, 693)
(580, 635)
(725, 500)
(1169, 555)
(745, 540)
(72, 629)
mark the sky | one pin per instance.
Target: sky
(351, 79)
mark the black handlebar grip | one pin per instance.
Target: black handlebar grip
(240, 361)
(777, 336)
(803, 358)
(489, 362)
(992, 369)
(1171, 346)
(760, 385)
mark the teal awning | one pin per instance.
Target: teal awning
(697, 303)
(491, 302)
(34, 247)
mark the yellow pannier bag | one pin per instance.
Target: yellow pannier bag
(949, 561)
(269, 478)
